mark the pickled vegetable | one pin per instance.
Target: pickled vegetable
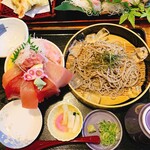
(91, 128)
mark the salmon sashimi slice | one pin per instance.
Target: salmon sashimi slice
(12, 89)
(58, 74)
(28, 95)
(47, 91)
(10, 74)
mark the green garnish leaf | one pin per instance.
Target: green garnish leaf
(22, 46)
(117, 1)
(148, 14)
(123, 18)
(17, 51)
(68, 6)
(148, 18)
(137, 14)
(141, 7)
(143, 15)
(131, 18)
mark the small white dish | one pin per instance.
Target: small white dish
(16, 33)
(19, 126)
(64, 130)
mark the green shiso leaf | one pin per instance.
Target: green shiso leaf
(67, 6)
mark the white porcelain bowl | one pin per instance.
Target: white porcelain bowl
(19, 126)
(16, 32)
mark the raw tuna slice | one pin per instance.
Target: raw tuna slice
(12, 89)
(49, 90)
(28, 95)
(9, 75)
(58, 74)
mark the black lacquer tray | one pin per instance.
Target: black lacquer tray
(61, 39)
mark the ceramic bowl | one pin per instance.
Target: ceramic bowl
(64, 121)
(91, 126)
(19, 126)
(118, 34)
(15, 32)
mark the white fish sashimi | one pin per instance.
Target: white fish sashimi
(84, 4)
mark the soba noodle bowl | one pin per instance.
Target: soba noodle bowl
(105, 68)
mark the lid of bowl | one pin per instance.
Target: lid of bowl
(146, 119)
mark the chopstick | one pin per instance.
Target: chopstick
(50, 6)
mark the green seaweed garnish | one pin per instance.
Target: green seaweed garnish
(104, 60)
(109, 59)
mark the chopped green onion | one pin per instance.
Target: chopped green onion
(108, 132)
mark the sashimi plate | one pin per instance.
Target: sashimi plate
(19, 126)
(13, 32)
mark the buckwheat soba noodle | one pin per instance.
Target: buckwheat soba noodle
(106, 68)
